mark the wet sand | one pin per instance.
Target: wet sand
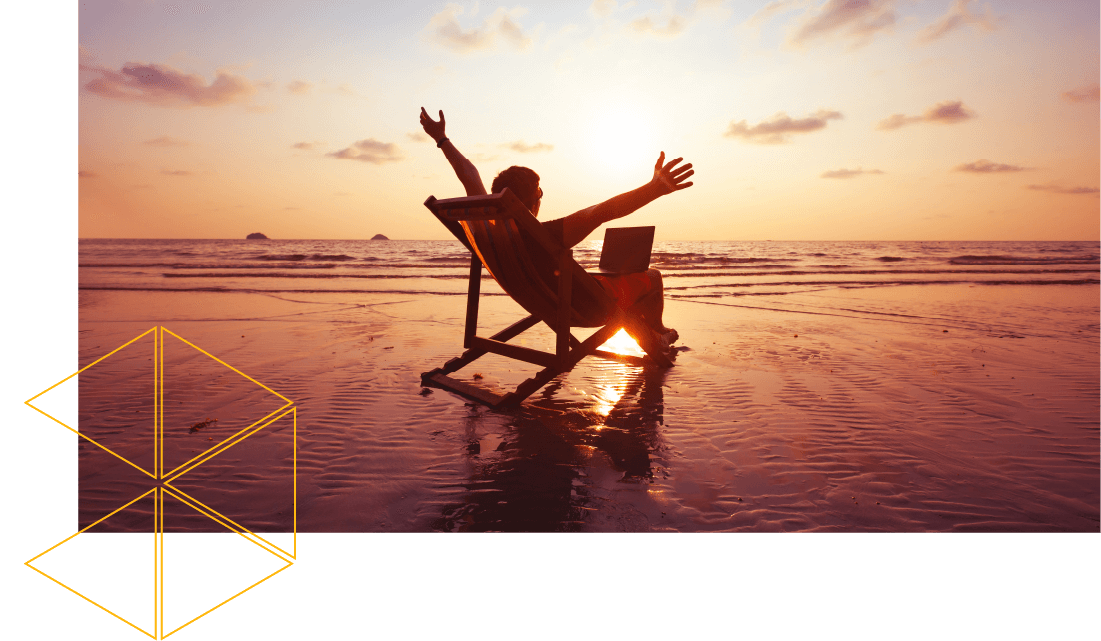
(902, 409)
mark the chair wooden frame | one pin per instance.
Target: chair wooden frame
(489, 227)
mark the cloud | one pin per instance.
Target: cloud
(299, 87)
(166, 141)
(849, 173)
(1056, 189)
(855, 20)
(664, 23)
(418, 136)
(958, 16)
(1089, 93)
(370, 150)
(948, 112)
(601, 9)
(775, 130)
(444, 30)
(307, 146)
(774, 8)
(987, 167)
(523, 148)
(896, 121)
(176, 172)
(86, 174)
(163, 86)
(646, 25)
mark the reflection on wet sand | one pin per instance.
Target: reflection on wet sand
(538, 477)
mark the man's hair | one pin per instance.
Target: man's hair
(522, 181)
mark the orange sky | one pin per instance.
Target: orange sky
(832, 120)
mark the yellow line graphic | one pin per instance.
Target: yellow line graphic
(165, 479)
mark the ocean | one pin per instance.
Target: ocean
(817, 386)
(690, 269)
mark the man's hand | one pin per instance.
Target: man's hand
(431, 127)
(668, 177)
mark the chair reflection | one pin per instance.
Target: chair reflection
(543, 476)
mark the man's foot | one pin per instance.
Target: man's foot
(668, 338)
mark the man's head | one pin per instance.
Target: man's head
(524, 184)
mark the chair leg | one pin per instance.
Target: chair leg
(471, 355)
(586, 348)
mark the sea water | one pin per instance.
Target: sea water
(714, 269)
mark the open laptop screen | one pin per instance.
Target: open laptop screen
(626, 250)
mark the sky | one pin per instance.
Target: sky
(804, 119)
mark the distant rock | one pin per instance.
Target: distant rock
(256, 236)
(379, 237)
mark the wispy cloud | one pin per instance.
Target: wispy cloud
(166, 141)
(299, 87)
(601, 9)
(959, 16)
(418, 136)
(176, 172)
(1059, 189)
(370, 150)
(777, 129)
(849, 173)
(987, 167)
(673, 26)
(83, 173)
(307, 146)
(857, 21)
(772, 9)
(1089, 93)
(948, 112)
(444, 30)
(525, 148)
(663, 23)
(163, 86)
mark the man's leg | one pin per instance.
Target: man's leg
(645, 294)
(652, 305)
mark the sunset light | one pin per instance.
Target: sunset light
(876, 120)
(859, 242)
(621, 139)
(622, 343)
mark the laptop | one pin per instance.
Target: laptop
(626, 250)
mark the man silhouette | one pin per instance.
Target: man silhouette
(643, 289)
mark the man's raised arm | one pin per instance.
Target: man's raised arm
(464, 169)
(667, 179)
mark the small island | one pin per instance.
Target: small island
(379, 237)
(256, 236)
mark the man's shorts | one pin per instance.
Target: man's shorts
(627, 289)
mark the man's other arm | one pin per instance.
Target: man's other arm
(465, 170)
(667, 179)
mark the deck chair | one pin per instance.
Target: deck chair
(489, 227)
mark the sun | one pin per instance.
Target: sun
(621, 140)
(622, 343)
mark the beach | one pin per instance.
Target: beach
(943, 404)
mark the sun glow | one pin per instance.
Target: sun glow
(622, 343)
(606, 398)
(621, 140)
